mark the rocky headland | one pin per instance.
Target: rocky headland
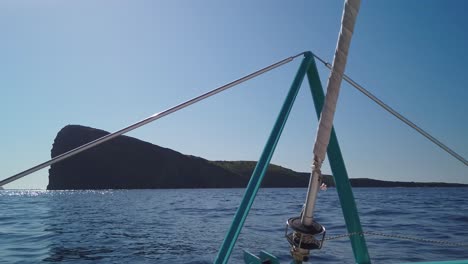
(129, 163)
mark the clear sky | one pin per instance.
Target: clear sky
(107, 64)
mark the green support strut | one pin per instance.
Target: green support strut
(343, 187)
(262, 165)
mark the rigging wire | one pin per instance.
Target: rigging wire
(148, 120)
(220, 89)
(396, 114)
(400, 237)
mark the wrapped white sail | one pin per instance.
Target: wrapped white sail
(350, 13)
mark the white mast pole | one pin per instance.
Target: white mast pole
(350, 12)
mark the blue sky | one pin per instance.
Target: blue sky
(107, 64)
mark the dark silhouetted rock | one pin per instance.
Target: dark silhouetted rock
(129, 163)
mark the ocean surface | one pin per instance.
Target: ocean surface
(188, 226)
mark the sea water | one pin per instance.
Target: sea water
(188, 226)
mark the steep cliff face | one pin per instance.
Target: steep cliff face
(129, 163)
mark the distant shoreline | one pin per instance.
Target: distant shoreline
(330, 187)
(371, 183)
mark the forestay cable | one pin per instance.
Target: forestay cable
(148, 120)
(397, 115)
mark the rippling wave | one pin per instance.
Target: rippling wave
(188, 226)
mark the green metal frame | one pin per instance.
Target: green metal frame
(336, 162)
(343, 186)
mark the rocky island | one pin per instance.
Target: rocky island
(129, 163)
